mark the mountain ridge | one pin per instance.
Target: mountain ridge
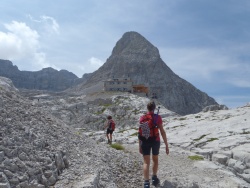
(45, 79)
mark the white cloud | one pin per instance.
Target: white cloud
(92, 65)
(95, 62)
(21, 43)
(50, 23)
(239, 82)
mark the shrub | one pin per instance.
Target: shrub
(117, 146)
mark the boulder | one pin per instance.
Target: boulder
(222, 159)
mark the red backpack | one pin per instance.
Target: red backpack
(148, 128)
(112, 125)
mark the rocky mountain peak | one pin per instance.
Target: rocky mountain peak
(134, 43)
(136, 57)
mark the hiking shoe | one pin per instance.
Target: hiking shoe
(146, 185)
(155, 181)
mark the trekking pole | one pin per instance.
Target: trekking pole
(156, 116)
(158, 110)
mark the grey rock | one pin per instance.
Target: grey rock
(23, 178)
(8, 173)
(59, 161)
(247, 171)
(52, 180)
(242, 156)
(246, 177)
(222, 159)
(14, 181)
(66, 161)
(48, 173)
(24, 184)
(239, 167)
(1, 156)
(214, 107)
(231, 163)
(4, 185)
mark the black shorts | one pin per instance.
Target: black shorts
(109, 131)
(146, 147)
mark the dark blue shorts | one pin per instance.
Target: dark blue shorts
(109, 131)
(147, 146)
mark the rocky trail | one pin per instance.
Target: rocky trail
(177, 170)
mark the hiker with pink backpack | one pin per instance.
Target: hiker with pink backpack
(149, 139)
(110, 125)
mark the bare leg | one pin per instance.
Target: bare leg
(146, 166)
(155, 164)
(107, 136)
(110, 137)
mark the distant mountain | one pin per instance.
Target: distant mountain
(136, 57)
(45, 79)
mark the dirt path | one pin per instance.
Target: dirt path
(176, 170)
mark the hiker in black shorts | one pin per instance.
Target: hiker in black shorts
(110, 125)
(149, 139)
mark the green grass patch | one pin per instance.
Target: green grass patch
(80, 131)
(197, 139)
(107, 105)
(117, 146)
(196, 158)
(179, 126)
(182, 118)
(134, 134)
(212, 139)
(136, 111)
(197, 116)
(247, 132)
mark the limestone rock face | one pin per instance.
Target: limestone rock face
(45, 79)
(136, 57)
(38, 150)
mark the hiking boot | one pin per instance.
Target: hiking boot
(146, 184)
(155, 181)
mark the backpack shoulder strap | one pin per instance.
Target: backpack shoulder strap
(155, 118)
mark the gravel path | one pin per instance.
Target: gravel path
(176, 170)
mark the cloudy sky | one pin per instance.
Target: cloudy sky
(205, 42)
